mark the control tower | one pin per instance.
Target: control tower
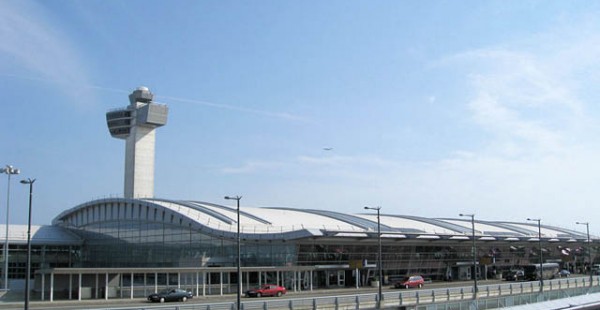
(136, 123)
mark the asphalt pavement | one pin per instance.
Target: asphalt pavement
(14, 300)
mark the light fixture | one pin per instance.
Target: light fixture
(239, 260)
(27, 280)
(379, 260)
(473, 254)
(541, 274)
(9, 170)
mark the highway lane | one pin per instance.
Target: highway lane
(143, 303)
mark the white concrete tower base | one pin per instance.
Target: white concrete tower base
(139, 163)
(136, 124)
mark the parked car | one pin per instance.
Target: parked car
(266, 290)
(514, 275)
(174, 294)
(408, 282)
(563, 273)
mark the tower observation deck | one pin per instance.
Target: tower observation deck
(136, 124)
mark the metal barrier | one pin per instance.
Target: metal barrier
(456, 298)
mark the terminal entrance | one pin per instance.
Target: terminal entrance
(330, 278)
(336, 278)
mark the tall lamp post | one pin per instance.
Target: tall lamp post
(9, 170)
(239, 261)
(539, 221)
(379, 264)
(30, 182)
(589, 249)
(474, 253)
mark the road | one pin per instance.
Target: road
(143, 303)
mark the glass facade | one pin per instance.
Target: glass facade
(148, 244)
(42, 256)
(436, 260)
(136, 233)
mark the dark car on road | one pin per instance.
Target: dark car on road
(173, 294)
(514, 275)
(563, 273)
(266, 290)
(408, 282)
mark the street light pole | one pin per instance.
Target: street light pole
(474, 254)
(9, 170)
(589, 249)
(30, 182)
(539, 221)
(239, 261)
(379, 260)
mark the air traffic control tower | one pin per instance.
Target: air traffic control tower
(136, 124)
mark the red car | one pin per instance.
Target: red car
(266, 290)
(408, 282)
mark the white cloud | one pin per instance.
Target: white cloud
(314, 165)
(539, 157)
(522, 101)
(541, 149)
(253, 167)
(31, 42)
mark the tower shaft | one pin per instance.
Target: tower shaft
(139, 163)
(136, 124)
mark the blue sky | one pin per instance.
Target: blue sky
(432, 108)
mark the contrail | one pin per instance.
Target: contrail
(236, 108)
(46, 80)
(281, 115)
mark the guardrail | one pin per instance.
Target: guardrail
(489, 297)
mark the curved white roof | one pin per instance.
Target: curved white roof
(45, 234)
(291, 223)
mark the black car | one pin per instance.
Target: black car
(514, 275)
(174, 294)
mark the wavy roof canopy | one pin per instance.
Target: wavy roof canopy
(40, 235)
(289, 223)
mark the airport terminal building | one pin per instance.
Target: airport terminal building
(128, 246)
(120, 232)
(122, 242)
